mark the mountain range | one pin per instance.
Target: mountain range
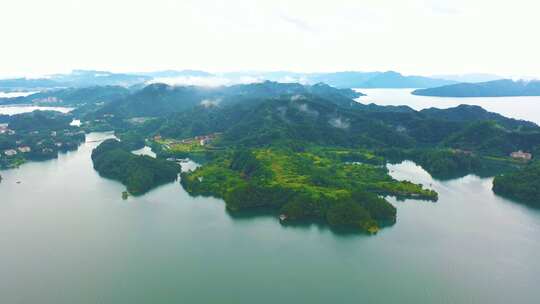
(347, 79)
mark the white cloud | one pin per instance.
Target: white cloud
(338, 122)
(208, 103)
(306, 109)
(297, 97)
(205, 81)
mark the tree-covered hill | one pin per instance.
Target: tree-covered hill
(40, 121)
(273, 113)
(161, 99)
(469, 113)
(523, 185)
(140, 173)
(495, 88)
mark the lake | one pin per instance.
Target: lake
(15, 94)
(66, 236)
(527, 107)
(19, 109)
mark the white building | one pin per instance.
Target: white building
(521, 155)
(25, 149)
(10, 152)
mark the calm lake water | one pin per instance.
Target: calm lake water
(12, 110)
(527, 108)
(68, 237)
(15, 94)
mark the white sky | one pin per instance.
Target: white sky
(413, 37)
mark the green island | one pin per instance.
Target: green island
(139, 173)
(304, 186)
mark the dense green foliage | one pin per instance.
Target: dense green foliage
(522, 185)
(304, 186)
(308, 152)
(37, 135)
(488, 137)
(468, 113)
(298, 123)
(160, 99)
(40, 121)
(139, 173)
(495, 88)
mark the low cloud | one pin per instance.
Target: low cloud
(291, 79)
(338, 122)
(208, 103)
(282, 112)
(297, 97)
(306, 109)
(211, 81)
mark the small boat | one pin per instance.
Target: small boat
(282, 217)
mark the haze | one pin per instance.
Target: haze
(422, 37)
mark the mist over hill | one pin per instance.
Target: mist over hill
(345, 79)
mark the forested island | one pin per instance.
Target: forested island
(139, 173)
(304, 185)
(495, 88)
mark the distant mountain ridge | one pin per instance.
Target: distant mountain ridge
(350, 79)
(345, 79)
(496, 88)
(75, 79)
(470, 77)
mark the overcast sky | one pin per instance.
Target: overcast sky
(414, 37)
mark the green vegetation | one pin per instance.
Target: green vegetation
(139, 173)
(309, 152)
(304, 186)
(327, 152)
(39, 121)
(37, 136)
(522, 185)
